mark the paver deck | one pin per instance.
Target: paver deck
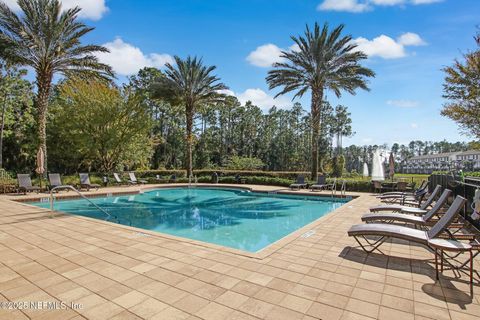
(110, 271)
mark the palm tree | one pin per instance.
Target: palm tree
(191, 84)
(322, 61)
(47, 39)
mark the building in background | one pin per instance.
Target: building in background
(466, 161)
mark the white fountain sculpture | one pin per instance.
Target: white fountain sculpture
(365, 170)
(377, 168)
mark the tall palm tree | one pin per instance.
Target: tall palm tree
(47, 39)
(190, 84)
(322, 61)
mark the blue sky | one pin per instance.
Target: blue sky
(408, 42)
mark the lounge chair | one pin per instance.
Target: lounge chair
(422, 206)
(299, 183)
(331, 186)
(321, 183)
(423, 186)
(410, 216)
(402, 186)
(85, 182)
(403, 196)
(410, 200)
(25, 184)
(117, 179)
(377, 186)
(133, 179)
(386, 231)
(55, 180)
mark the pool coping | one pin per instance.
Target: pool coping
(98, 194)
(261, 254)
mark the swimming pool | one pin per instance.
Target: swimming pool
(235, 218)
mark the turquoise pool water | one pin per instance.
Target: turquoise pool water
(238, 219)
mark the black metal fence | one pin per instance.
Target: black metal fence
(464, 187)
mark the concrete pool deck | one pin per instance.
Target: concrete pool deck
(109, 271)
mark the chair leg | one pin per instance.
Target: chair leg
(373, 245)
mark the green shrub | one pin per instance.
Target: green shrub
(338, 164)
(465, 173)
(162, 173)
(354, 182)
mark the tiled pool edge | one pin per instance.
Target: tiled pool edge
(138, 189)
(264, 253)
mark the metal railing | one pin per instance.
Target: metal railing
(343, 189)
(52, 199)
(192, 179)
(465, 187)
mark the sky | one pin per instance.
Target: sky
(408, 42)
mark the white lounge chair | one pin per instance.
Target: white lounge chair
(409, 217)
(385, 231)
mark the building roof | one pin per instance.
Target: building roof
(436, 155)
(469, 152)
(446, 154)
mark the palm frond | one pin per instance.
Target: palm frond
(325, 60)
(190, 82)
(49, 40)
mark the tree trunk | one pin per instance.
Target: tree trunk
(44, 83)
(317, 96)
(2, 127)
(189, 120)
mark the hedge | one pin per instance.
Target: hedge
(273, 178)
(466, 174)
(221, 172)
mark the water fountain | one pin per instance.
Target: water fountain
(377, 168)
(365, 170)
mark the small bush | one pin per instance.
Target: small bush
(354, 182)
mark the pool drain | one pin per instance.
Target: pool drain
(308, 234)
(141, 234)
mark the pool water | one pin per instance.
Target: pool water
(239, 219)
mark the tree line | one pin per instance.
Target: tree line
(48, 40)
(180, 117)
(100, 126)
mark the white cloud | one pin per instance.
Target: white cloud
(411, 39)
(414, 125)
(12, 4)
(343, 5)
(403, 103)
(385, 47)
(367, 140)
(294, 48)
(91, 9)
(265, 56)
(416, 2)
(357, 6)
(127, 59)
(268, 54)
(382, 46)
(388, 2)
(227, 92)
(259, 98)
(263, 100)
